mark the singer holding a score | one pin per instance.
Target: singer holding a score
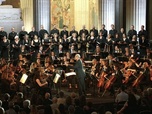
(78, 67)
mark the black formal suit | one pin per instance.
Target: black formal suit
(113, 32)
(78, 67)
(32, 34)
(11, 36)
(121, 35)
(2, 34)
(142, 33)
(83, 31)
(104, 33)
(131, 33)
(42, 32)
(95, 32)
(64, 32)
(22, 34)
(73, 31)
(53, 31)
(143, 46)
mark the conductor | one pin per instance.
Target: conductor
(78, 67)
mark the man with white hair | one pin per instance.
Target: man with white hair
(78, 67)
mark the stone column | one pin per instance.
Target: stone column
(119, 15)
(42, 14)
(27, 13)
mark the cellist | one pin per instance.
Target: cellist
(104, 74)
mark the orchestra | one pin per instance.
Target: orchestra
(115, 58)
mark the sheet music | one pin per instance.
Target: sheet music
(70, 74)
(23, 78)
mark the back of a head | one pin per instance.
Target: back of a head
(11, 104)
(2, 111)
(20, 95)
(61, 94)
(0, 103)
(26, 103)
(122, 88)
(71, 109)
(54, 100)
(108, 112)
(77, 102)
(6, 96)
(94, 113)
(47, 95)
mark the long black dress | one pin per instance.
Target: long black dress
(5, 49)
(16, 49)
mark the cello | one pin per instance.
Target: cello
(151, 73)
(138, 80)
(110, 81)
(101, 79)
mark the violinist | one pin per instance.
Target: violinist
(40, 83)
(130, 71)
(38, 62)
(94, 69)
(49, 68)
(12, 81)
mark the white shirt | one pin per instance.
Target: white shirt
(122, 96)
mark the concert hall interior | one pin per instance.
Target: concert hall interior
(75, 57)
